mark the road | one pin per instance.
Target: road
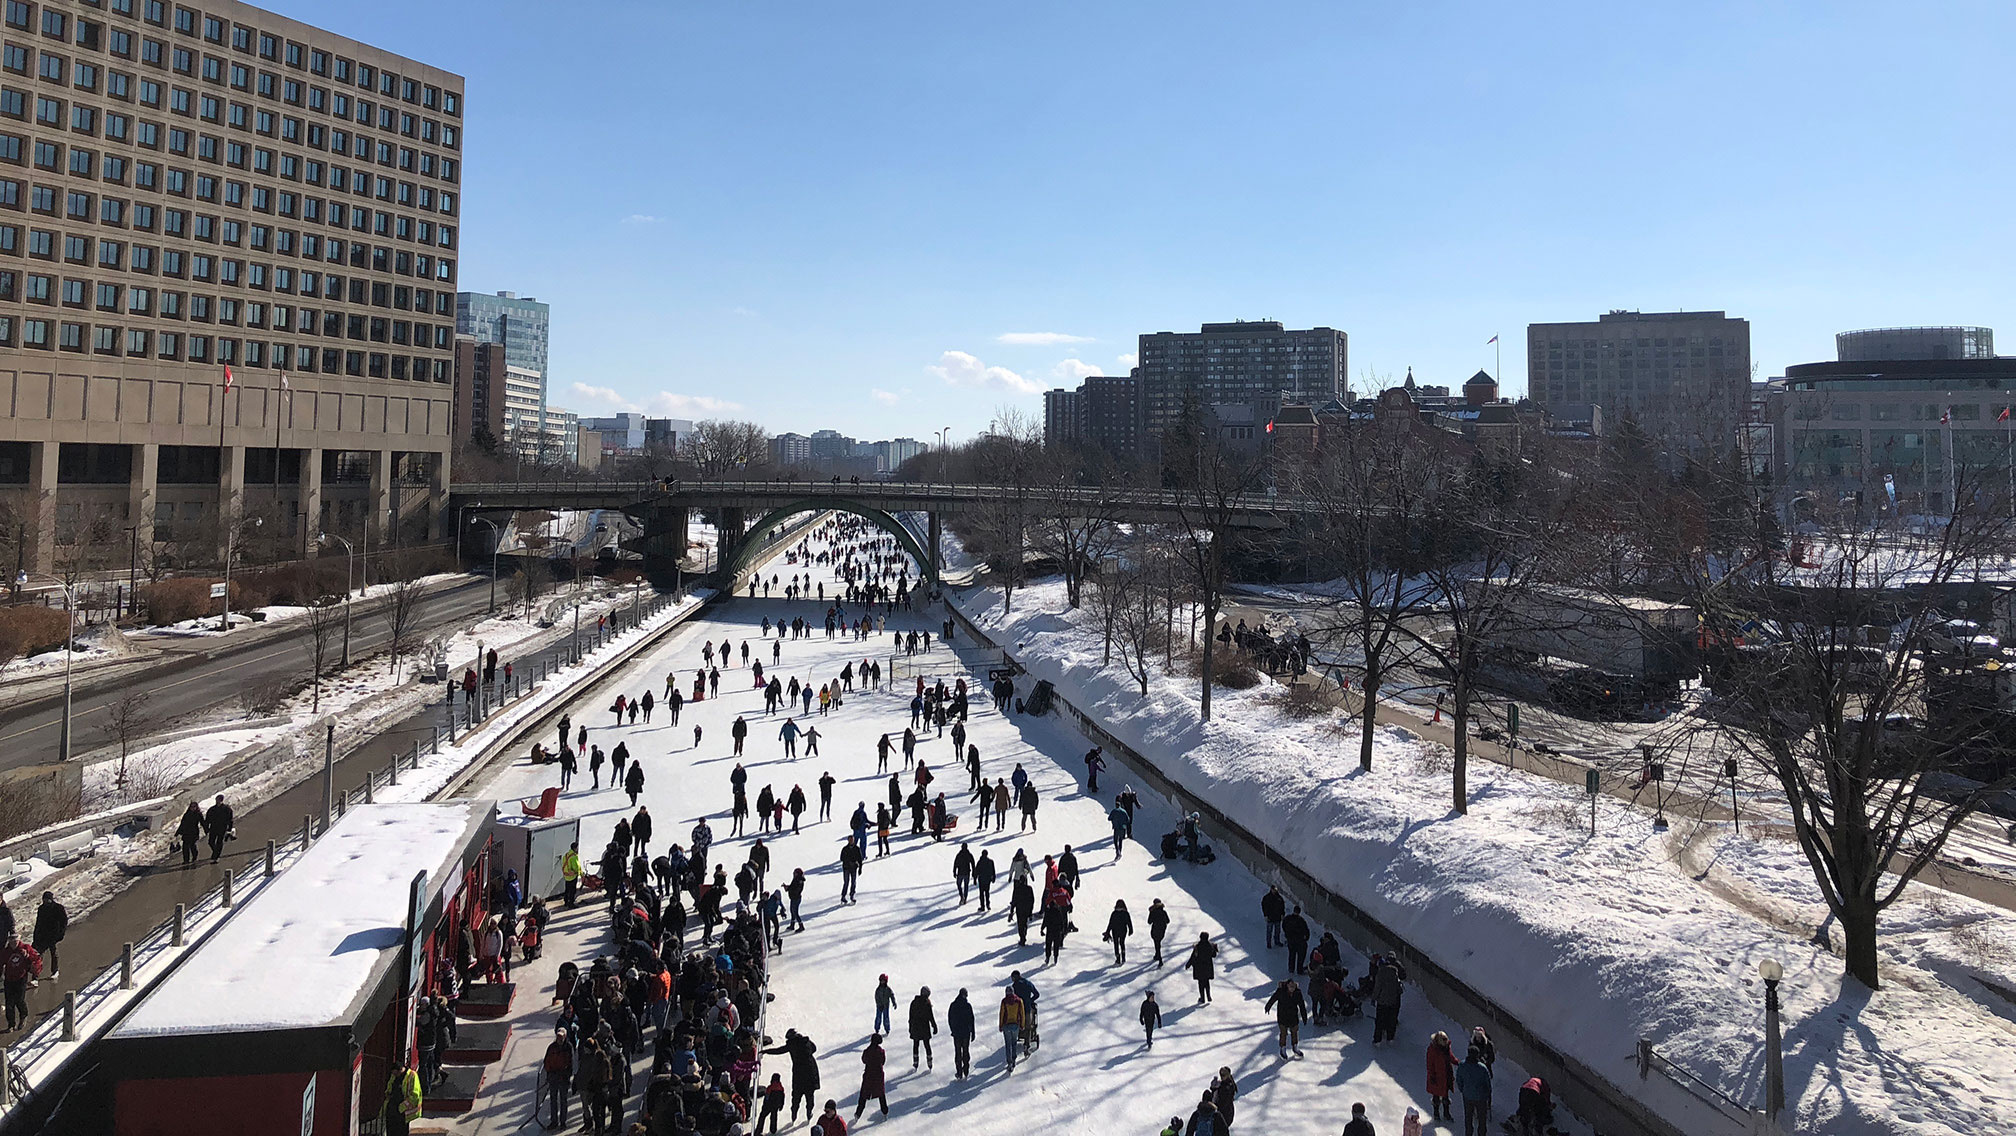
(32, 738)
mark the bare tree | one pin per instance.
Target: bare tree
(1013, 452)
(1213, 483)
(401, 614)
(1067, 527)
(126, 721)
(325, 630)
(1137, 619)
(718, 446)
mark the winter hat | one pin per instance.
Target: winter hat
(1413, 1113)
(884, 978)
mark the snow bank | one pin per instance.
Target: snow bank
(1592, 942)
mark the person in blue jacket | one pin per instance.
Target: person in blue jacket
(1473, 1082)
(1122, 822)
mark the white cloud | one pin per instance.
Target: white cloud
(1039, 338)
(1074, 370)
(961, 369)
(886, 398)
(641, 219)
(1129, 361)
(662, 403)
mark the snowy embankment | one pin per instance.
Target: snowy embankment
(1592, 942)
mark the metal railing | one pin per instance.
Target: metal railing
(899, 494)
(1651, 1061)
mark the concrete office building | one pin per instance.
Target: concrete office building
(191, 187)
(1912, 411)
(624, 431)
(1683, 376)
(1104, 413)
(1237, 371)
(789, 449)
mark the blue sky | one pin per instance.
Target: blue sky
(888, 218)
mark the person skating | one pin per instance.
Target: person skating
(1204, 1119)
(773, 1105)
(1056, 925)
(52, 922)
(1013, 1016)
(640, 830)
(872, 1082)
(1386, 989)
(883, 822)
(962, 871)
(1202, 966)
(765, 800)
(789, 733)
(795, 805)
(826, 783)
(633, 783)
(1151, 1018)
(1094, 762)
(1001, 803)
(812, 742)
(1473, 1083)
(923, 1024)
(983, 879)
(885, 1004)
(858, 824)
(1441, 1076)
(830, 1122)
(1067, 869)
(1158, 925)
(1122, 822)
(1022, 904)
(1027, 803)
(595, 760)
(882, 747)
(1291, 1009)
(1119, 925)
(804, 1070)
(1295, 932)
(1273, 908)
(737, 733)
(1359, 1125)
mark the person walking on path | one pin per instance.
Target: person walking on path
(962, 871)
(1013, 1015)
(633, 784)
(1291, 1009)
(885, 1004)
(1473, 1082)
(959, 1024)
(20, 965)
(1273, 908)
(218, 824)
(1119, 925)
(923, 1024)
(1094, 762)
(1158, 925)
(52, 922)
(1202, 966)
(1151, 1018)
(983, 879)
(189, 832)
(1295, 931)
(873, 1084)
(1387, 984)
(1441, 1076)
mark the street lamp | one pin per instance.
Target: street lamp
(1772, 972)
(349, 572)
(944, 437)
(496, 547)
(69, 655)
(230, 533)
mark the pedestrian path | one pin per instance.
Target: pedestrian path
(1093, 1071)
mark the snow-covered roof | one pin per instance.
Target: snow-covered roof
(309, 946)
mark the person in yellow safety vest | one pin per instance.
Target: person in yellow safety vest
(402, 1101)
(570, 871)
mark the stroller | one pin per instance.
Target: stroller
(1030, 1040)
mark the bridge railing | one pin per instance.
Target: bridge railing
(918, 492)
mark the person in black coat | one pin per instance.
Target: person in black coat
(217, 825)
(959, 1023)
(1202, 966)
(1151, 1017)
(1158, 925)
(1291, 1009)
(1273, 906)
(962, 871)
(190, 832)
(1295, 929)
(1119, 925)
(804, 1071)
(983, 878)
(1023, 904)
(1056, 925)
(52, 922)
(923, 1023)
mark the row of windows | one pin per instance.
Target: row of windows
(137, 343)
(136, 300)
(145, 216)
(1646, 341)
(57, 69)
(20, 14)
(77, 248)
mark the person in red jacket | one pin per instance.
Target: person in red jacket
(19, 967)
(1441, 1075)
(830, 1122)
(872, 1085)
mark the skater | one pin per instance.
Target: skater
(1056, 925)
(959, 1024)
(826, 783)
(1119, 925)
(885, 1004)
(983, 879)
(804, 1071)
(1013, 1015)
(1441, 1076)
(859, 824)
(633, 784)
(1027, 803)
(1291, 1009)
(795, 805)
(1473, 1081)
(1201, 966)
(850, 870)
(1022, 902)
(1295, 931)
(1358, 1125)
(640, 828)
(648, 702)
(1093, 764)
(595, 760)
(789, 732)
(795, 892)
(1121, 822)
(923, 1024)
(1151, 1018)
(1158, 925)
(1386, 988)
(872, 1083)
(1001, 800)
(882, 747)
(1273, 908)
(962, 871)
(737, 733)
(812, 742)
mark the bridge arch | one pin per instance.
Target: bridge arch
(749, 545)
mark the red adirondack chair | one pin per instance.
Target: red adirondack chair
(548, 804)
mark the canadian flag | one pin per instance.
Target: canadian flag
(227, 380)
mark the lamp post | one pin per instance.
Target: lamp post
(1772, 971)
(497, 546)
(577, 631)
(230, 534)
(69, 655)
(943, 438)
(133, 568)
(349, 585)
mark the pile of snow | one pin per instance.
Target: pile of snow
(1592, 942)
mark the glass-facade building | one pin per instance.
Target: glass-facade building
(519, 323)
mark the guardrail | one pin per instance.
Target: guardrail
(1650, 1061)
(921, 493)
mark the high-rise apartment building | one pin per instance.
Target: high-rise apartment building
(1684, 376)
(190, 190)
(1237, 371)
(519, 323)
(480, 396)
(1063, 418)
(789, 449)
(1103, 413)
